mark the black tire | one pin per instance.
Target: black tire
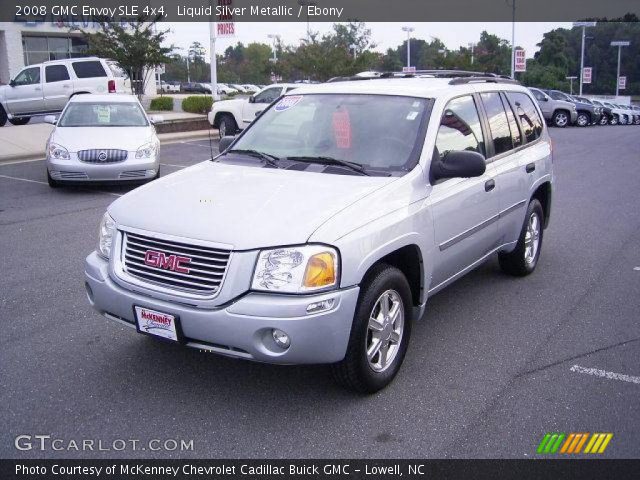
(355, 372)
(52, 183)
(583, 119)
(19, 120)
(3, 117)
(561, 118)
(613, 120)
(515, 262)
(604, 119)
(227, 125)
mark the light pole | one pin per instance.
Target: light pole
(584, 26)
(619, 44)
(354, 48)
(307, 4)
(471, 47)
(571, 79)
(513, 38)
(275, 39)
(408, 30)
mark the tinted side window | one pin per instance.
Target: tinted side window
(56, 73)
(516, 136)
(539, 95)
(527, 114)
(89, 69)
(28, 76)
(460, 127)
(558, 96)
(268, 95)
(498, 124)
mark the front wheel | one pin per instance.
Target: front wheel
(380, 332)
(19, 120)
(227, 126)
(582, 120)
(613, 120)
(523, 260)
(604, 120)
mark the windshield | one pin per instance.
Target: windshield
(103, 114)
(380, 132)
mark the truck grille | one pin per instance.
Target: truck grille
(202, 273)
(102, 155)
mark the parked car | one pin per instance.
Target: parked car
(195, 87)
(558, 113)
(225, 89)
(598, 110)
(630, 114)
(586, 112)
(45, 88)
(251, 88)
(606, 111)
(102, 138)
(330, 221)
(636, 111)
(239, 88)
(618, 115)
(231, 116)
(169, 87)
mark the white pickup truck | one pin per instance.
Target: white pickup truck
(45, 88)
(230, 116)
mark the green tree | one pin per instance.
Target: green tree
(138, 47)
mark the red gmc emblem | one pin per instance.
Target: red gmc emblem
(175, 263)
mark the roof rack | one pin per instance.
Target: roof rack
(458, 77)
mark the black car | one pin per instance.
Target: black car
(194, 87)
(607, 114)
(587, 112)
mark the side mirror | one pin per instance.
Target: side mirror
(458, 164)
(225, 142)
(252, 99)
(12, 83)
(156, 119)
(545, 99)
(52, 119)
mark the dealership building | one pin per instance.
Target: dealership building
(26, 43)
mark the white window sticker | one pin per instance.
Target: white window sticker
(412, 115)
(104, 114)
(287, 102)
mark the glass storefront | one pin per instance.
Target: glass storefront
(38, 49)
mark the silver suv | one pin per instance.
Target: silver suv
(320, 232)
(45, 88)
(558, 113)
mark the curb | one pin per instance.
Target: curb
(165, 138)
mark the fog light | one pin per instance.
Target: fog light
(281, 338)
(321, 306)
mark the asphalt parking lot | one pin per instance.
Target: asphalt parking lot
(491, 367)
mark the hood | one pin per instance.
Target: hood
(244, 207)
(84, 138)
(224, 104)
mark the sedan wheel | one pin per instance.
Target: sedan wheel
(604, 120)
(613, 120)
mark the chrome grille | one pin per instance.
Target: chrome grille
(206, 269)
(102, 155)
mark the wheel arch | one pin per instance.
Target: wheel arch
(543, 194)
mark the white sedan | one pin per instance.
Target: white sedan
(102, 138)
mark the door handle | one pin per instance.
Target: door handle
(530, 167)
(489, 185)
(37, 89)
(66, 86)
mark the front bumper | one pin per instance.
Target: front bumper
(74, 170)
(240, 328)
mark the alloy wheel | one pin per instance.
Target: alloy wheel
(532, 239)
(385, 331)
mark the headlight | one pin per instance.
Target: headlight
(300, 269)
(58, 152)
(105, 235)
(146, 151)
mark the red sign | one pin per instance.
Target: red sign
(225, 27)
(520, 60)
(622, 83)
(586, 75)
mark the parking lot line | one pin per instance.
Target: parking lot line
(196, 144)
(174, 165)
(604, 374)
(45, 183)
(15, 162)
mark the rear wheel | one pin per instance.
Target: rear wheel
(3, 117)
(560, 119)
(19, 120)
(227, 125)
(380, 332)
(523, 260)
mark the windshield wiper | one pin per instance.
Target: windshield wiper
(267, 157)
(353, 166)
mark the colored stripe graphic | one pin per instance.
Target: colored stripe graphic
(572, 443)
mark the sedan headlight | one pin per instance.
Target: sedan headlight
(105, 235)
(147, 150)
(301, 269)
(58, 152)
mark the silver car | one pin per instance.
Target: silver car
(100, 138)
(320, 232)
